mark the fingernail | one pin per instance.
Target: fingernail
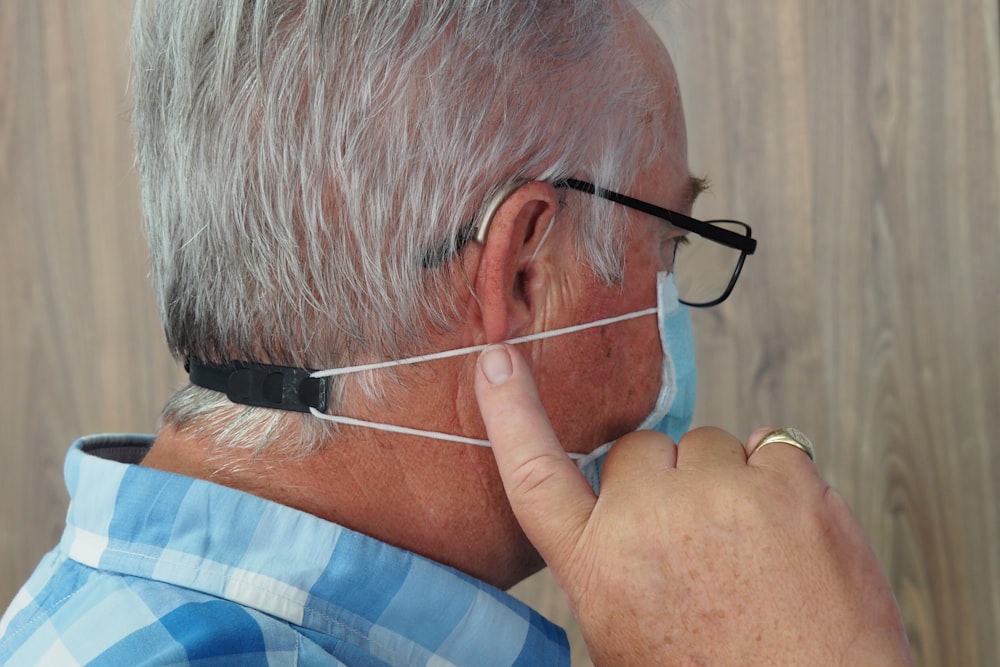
(496, 365)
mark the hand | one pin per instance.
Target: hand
(694, 554)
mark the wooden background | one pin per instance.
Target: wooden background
(860, 138)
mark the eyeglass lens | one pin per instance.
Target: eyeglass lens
(704, 269)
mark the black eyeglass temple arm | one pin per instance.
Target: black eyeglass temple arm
(730, 239)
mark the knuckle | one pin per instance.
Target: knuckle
(533, 474)
(641, 438)
(705, 434)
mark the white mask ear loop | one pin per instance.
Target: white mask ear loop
(350, 421)
(434, 435)
(472, 349)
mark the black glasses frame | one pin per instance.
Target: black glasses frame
(746, 244)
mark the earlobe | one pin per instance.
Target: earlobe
(505, 280)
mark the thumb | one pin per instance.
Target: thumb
(550, 497)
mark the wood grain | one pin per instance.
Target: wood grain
(81, 346)
(863, 141)
(860, 139)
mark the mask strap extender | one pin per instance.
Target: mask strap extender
(262, 385)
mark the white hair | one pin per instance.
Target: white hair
(306, 166)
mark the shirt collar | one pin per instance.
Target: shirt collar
(323, 577)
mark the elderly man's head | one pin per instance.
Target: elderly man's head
(311, 173)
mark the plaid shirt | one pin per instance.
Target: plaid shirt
(159, 569)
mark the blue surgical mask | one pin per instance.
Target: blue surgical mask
(674, 406)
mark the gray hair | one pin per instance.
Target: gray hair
(300, 160)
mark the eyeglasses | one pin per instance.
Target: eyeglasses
(707, 262)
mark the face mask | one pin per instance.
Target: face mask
(674, 405)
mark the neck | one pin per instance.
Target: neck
(438, 499)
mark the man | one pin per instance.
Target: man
(338, 185)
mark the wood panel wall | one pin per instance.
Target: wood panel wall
(80, 346)
(861, 139)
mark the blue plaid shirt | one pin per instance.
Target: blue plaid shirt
(159, 569)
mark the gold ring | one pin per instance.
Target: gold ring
(789, 436)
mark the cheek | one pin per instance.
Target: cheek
(604, 385)
(632, 358)
(645, 359)
(630, 373)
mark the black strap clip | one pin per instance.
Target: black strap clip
(262, 385)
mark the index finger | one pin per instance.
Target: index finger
(550, 497)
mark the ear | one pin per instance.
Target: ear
(506, 276)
